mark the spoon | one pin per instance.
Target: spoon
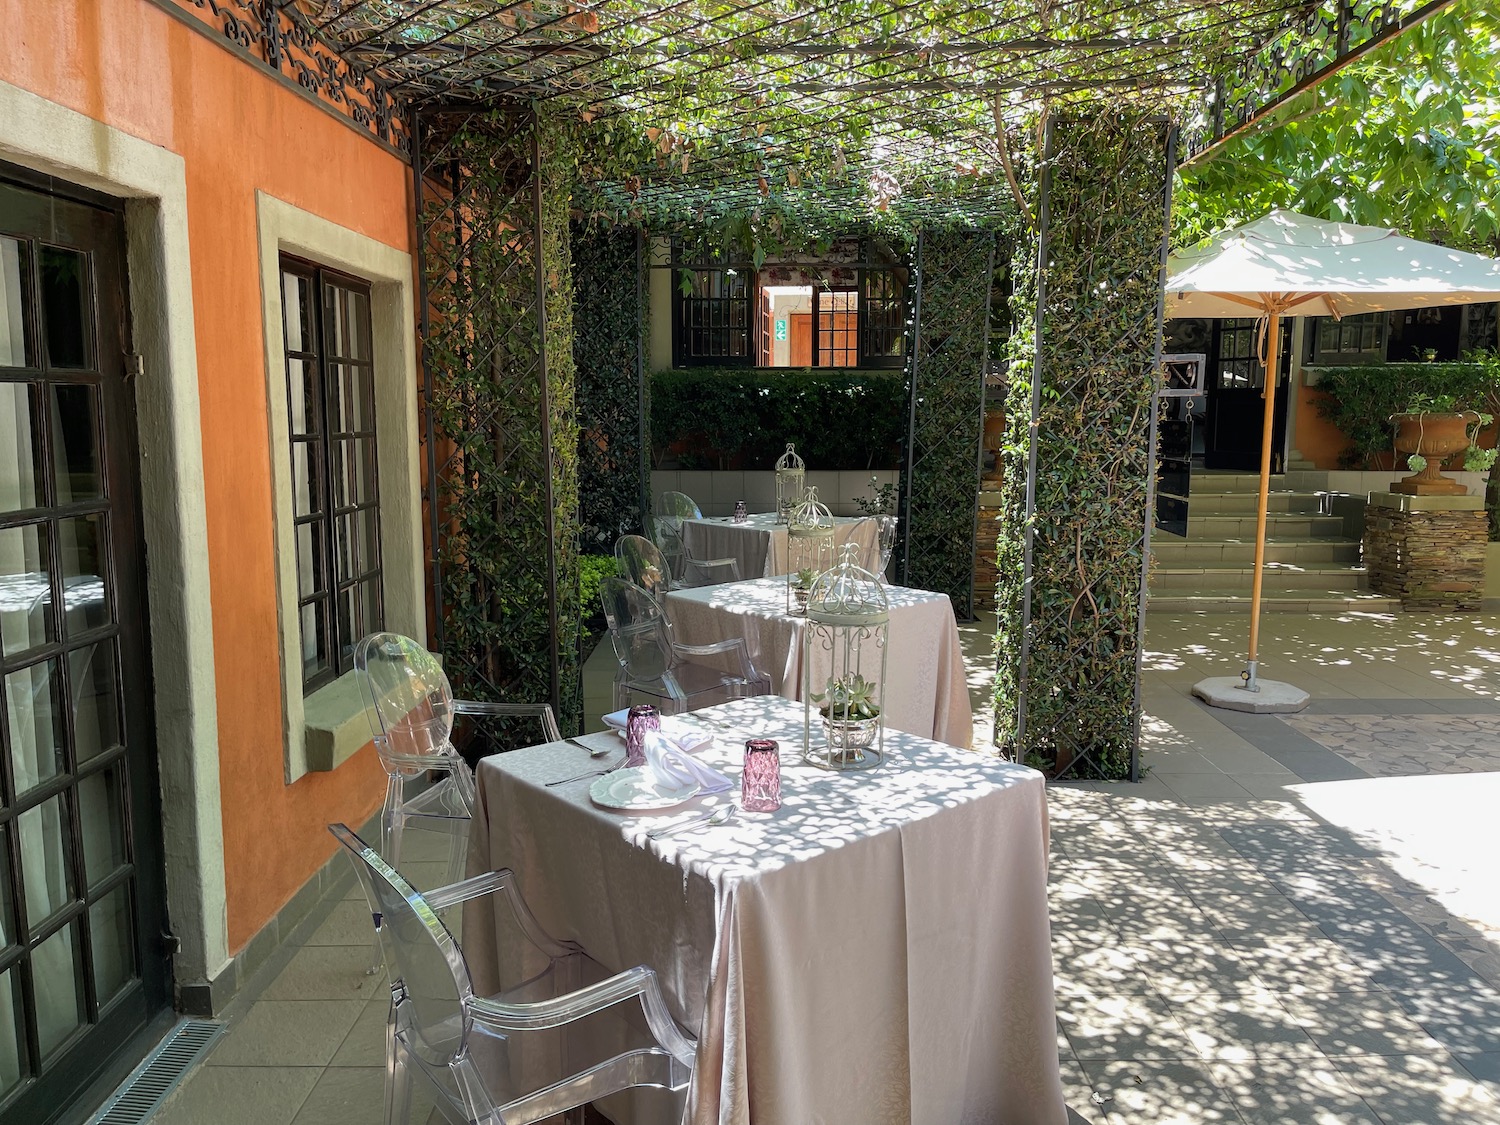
(706, 820)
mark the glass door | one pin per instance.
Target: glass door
(82, 959)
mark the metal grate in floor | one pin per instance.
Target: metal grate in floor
(160, 1072)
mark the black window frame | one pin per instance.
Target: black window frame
(1349, 339)
(700, 308)
(346, 559)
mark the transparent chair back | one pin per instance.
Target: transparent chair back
(410, 701)
(502, 1060)
(637, 629)
(642, 562)
(671, 509)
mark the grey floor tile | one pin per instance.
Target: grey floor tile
(346, 1096)
(287, 1033)
(328, 972)
(1206, 787)
(1250, 916)
(1296, 967)
(364, 1045)
(1484, 1067)
(1156, 917)
(1125, 1027)
(349, 923)
(239, 1095)
(1361, 1023)
(1162, 1092)
(1420, 1090)
(1242, 1026)
(1181, 970)
(1464, 1020)
(1292, 1091)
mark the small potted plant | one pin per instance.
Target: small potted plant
(851, 716)
(1432, 430)
(802, 583)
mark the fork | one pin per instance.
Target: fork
(586, 773)
(593, 753)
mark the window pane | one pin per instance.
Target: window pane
(362, 400)
(55, 972)
(42, 833)
(303, 415)
(359, 325)
(101, 817)
(306, 476)
(369, 607)
(344, 553)
(110, 926)
(310, 552)
(33, 697)
(296, 313)
(67, 314)
(15, 303)
(20, 438)
(13, 1061)
(315, 644)
(25, 588)
(347, 627)
(96, 705)
(80, 544)
(340, 471)
(335, 329)
(362, 464)
(75, 445)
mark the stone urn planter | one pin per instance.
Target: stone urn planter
(1435, 437)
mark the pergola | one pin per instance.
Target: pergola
(1026, 148)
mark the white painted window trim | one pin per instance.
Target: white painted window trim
(54, 139)
(291, 230)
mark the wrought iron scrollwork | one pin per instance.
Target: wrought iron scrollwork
(275, 34)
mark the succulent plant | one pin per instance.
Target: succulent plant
(805, 578)
(849, 696)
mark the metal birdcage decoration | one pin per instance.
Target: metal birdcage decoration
(809, 548)
(791, 473)
(843, 667)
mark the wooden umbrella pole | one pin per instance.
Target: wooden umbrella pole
(1273, 341)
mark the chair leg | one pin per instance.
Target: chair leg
(391, 825)
(397, 1083)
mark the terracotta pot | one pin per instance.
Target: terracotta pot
(1435, 437)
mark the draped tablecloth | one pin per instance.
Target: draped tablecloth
(760, 542)
(926, 688)
(876, 952)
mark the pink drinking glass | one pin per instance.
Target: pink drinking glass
(642, 720)
(760, 785)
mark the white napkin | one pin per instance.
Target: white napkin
(674, 768)
(686, 738)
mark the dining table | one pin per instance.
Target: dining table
(875, 951)
(925, 685)
(759, 544)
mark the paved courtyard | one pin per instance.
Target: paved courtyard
(1290, 920)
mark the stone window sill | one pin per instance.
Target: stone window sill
(334, 724)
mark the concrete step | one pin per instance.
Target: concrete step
(1278, 576)
(1173, 552)
(1299, 601)
(1240, 503)
(1293, 525)
(1228, 482)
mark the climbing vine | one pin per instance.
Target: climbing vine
(1068, 642)
(499, 380)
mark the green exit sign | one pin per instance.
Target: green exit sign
(781, 329)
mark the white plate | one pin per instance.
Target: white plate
(636, 789)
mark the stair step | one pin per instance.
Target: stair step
(1302, 601)
(1277, 576)
(1210, 503)
(1289, 526)
(1229, 482)
(1173, 552)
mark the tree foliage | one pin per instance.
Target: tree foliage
(1408, 137)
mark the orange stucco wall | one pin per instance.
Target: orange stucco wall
(1317, 439)
(130, 65)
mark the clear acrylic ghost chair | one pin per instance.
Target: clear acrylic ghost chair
(411, 711)
(519, 1056)
(653, 664)
(641, 561)
(671, 509)
(708, 572)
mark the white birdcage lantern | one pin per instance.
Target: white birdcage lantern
(843, 667)
(791, 472)
(809, 548)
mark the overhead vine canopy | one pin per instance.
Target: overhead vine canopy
(879, 101)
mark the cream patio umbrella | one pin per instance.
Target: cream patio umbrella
(1286, 263)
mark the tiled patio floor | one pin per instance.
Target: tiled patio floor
(1285, 922)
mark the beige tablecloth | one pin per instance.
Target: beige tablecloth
(760, 542)
(926, 689)
(874, 953)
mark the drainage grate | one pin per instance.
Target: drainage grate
(161, 1072)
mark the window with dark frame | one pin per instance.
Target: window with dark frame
(335, 495)
(727, 315)
(1351, 339)
(1238, 361)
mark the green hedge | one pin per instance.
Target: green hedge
(1361, 399)
(739, 418)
